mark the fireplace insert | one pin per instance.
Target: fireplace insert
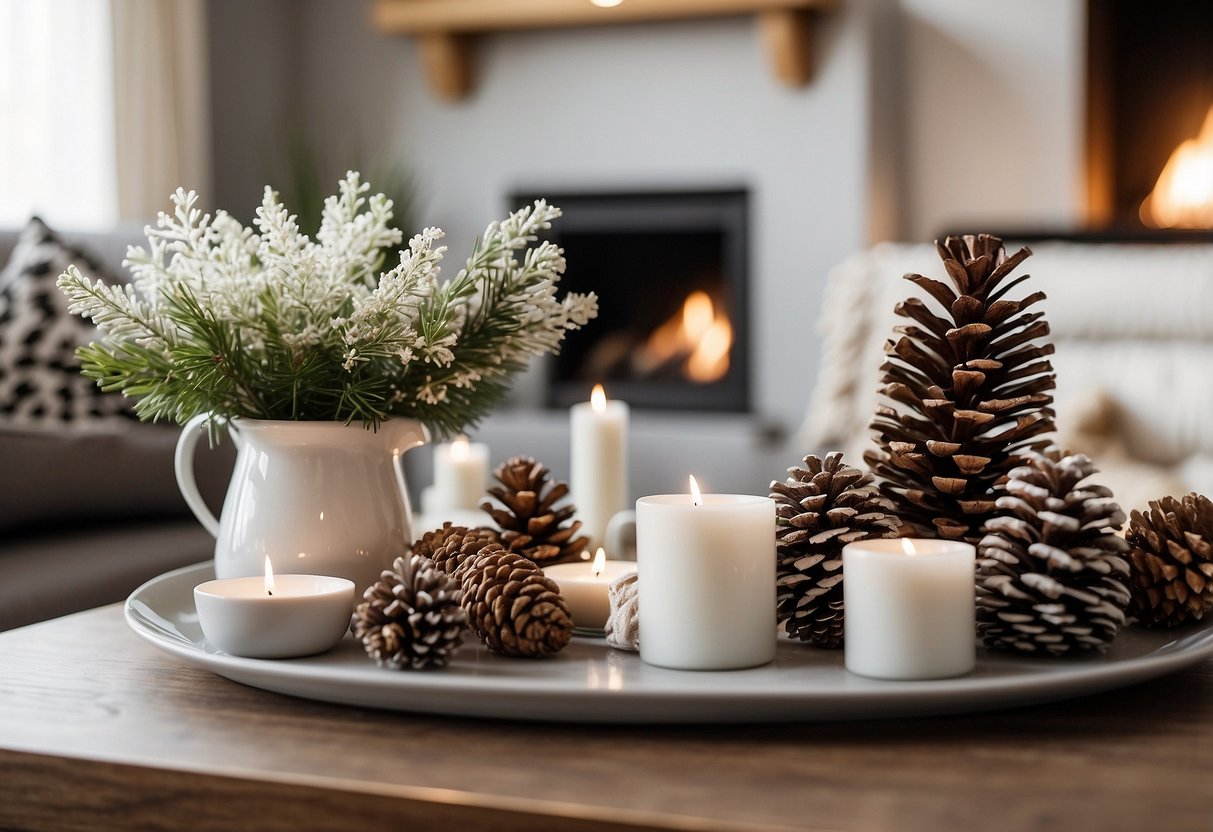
(670, 270)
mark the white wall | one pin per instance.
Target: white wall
(920, 114)
(994, 101)
(645, 106)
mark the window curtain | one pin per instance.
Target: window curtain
(161, 103)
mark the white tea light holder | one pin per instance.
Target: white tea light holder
(275, 617)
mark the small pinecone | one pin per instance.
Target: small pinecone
(512, 606)
(531, 525)
(1171, 563)
(449, 546)
(1051, 574)
(819, 509)
(410, 618)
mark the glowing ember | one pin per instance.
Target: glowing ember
(1183, 195)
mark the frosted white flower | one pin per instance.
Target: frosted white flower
(264, 322)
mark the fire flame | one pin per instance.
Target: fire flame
(1183, 195)
(698, 336)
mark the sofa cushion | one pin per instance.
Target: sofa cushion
(40, 379)
(99, 471)
(79, 566)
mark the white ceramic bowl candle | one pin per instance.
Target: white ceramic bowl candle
(706, 580)
(909, 608)
(585, 586)
(275, 617)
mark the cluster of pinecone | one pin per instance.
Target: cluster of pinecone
(963, 453)
(488, 580)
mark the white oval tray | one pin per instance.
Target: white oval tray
(589, 682)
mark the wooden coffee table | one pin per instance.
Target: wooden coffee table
(98, 730)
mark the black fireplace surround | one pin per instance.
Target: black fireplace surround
(644, 254)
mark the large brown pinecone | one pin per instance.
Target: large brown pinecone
(531, 523)
(1052, 576)
(818, 510)
(449, 546)
(410, 618)
(512, 606)
(1171, 563)
(969, 391)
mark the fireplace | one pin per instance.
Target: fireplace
(1149, 102)
(670, 270)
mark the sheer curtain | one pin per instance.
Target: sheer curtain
(161, 102)
(105, 106)
(57, 100)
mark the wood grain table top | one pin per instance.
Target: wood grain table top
(99, 730)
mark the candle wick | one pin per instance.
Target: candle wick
(269, 592)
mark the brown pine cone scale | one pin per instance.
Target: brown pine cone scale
(512, 606)
(531, 523)
(1172, 561)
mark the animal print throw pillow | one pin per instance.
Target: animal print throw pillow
(40, 381)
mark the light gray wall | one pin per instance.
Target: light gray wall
(994, 102)
(920, 113)
(647, 107)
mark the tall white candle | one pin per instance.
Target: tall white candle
(598, 481)
(706, 580)
(461, 472)
(909, 608)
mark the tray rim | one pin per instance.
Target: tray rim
(529, 689)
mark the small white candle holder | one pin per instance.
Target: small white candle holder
(585, 587)
(275, 617)
(909, 608)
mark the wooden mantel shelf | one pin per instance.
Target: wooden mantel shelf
(445, 28)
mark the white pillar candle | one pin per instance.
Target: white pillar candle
(706, 580)
(461, 472)
(909, 608)
(585, 586)
(598, 481)
(274, 617)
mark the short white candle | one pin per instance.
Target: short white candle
(275, 616)
(706, 580)
(461, 473)
(598, 475)
(909, 608)
(585, 586)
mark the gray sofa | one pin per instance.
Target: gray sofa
(89, 512)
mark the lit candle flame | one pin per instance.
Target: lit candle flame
(908, 547)
(606, 4)
(696, 497)
(598, 399)
(599, 562)
(459, 448)
(269, 577)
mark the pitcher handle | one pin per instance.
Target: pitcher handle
(621, 535)
(183, 465)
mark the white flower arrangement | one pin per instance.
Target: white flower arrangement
(266, 323)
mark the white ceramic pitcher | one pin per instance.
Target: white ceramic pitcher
(319, 498)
